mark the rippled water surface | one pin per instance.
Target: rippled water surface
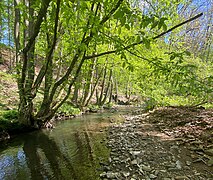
(71, 151)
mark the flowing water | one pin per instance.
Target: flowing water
(73, 150)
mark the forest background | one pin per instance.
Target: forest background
(71, 54)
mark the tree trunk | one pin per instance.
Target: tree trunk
(26, 73)
(99, 99)
(89, 81)
(93, 88)
(107, 89)
(111, 91)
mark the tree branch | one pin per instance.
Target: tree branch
(141, 42)
(41, 14)
(106, 18)
(50, 50)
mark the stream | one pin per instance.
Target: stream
(73, 150)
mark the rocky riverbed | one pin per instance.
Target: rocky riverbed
(142, 149)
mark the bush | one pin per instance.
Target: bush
(10, 115)
(150, 104)
(108, 105)
(68, 109)
(94, 108)
(9, 122)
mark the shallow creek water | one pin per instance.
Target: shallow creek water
(73, 150)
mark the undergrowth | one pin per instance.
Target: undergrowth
(68, 109)
(9, 121)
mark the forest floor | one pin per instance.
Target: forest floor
(170, 143)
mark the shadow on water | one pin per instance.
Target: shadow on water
(40, 141)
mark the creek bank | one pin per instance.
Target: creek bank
(141, 148)
(13, 128)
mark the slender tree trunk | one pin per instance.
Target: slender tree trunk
(107, 89)
(111, 91)
(102, 86)
(93, 88)
(89, 80)
(116, 91)
(76, 91)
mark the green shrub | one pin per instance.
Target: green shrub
(108, 105)
(93, 107)
(68, 109)
(10, 114)
(150, 104)
(9, 121)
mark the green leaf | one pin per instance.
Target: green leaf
(124, 64)
(123, 20)
(119, 14)
(187, 53)
(119, 30)
(146, 43)
(123, 56)
(164, 27)
(127, 26)
(154, 24)
(145, 22)
(131, 68)
(138, 39)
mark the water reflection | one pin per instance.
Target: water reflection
(71, 151)
(44, 158)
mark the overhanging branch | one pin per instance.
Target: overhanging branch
(141, 42)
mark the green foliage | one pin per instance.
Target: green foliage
(149, 104)
(161, 70)
(9, 121)
(108, 105)
(68, 109)
(93, 107)
(10, 115)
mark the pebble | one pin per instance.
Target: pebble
(152, 176)
(111, 175)
(126, 174)
(137, 154)
(178, 165)
(181, 178)
(145, 168)
(134, 162)
(188, 163)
